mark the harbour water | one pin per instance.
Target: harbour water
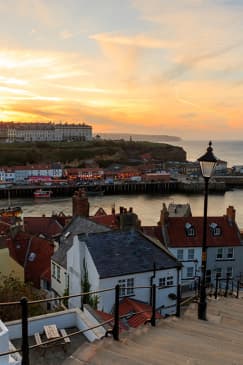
(147, 207)
(230, 151)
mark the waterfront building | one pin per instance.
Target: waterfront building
(44, 132)
(23, 173)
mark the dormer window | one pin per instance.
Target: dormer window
(190, 230)
(215, 229)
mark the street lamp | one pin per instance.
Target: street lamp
(207, 163)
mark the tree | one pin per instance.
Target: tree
(13, 289)
(92, 300)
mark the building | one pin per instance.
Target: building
(37, 172)
(44, 132)
(59, 271)
(183, 237)
(34, 255)
(127, 258)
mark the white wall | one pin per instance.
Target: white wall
(59, 286)
(4, 347)
(75, 259)
(63, 319)
(107, 299)
(196, 264)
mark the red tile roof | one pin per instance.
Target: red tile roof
(100, 212)
(34, 254)
(153, 231)
(178, 238)
(107, 316)
(47, 226)
(130, 306)
(109, 220)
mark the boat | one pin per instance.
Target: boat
(11, 212)
(39, 193)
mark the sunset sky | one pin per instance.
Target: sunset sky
(133, 66)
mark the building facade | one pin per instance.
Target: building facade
(44, 132)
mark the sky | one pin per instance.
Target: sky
(130, 66)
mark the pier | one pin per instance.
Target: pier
(27, 191)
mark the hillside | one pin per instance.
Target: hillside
(75, 153)
(141, 137)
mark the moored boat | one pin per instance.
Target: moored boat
(11, 212)
(46, 194)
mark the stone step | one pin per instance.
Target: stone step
(184, 341)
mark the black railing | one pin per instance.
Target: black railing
(115, 331)
(226, 286)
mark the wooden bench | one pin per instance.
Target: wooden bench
(64, 335)
(65, 338)
(38, 339)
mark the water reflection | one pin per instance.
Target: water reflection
(146, 206)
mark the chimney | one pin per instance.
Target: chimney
(80, 203)
(230, 213)
(129, 221)
(164, 214)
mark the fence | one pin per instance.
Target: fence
(24, 303)
(226, 286)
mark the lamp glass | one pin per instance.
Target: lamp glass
(207, 168)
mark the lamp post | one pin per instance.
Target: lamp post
(207, 163)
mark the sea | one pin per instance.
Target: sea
(148, 206)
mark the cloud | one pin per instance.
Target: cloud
(139, 40)
(65, 34)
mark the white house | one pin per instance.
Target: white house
(59, 269)
(127, 258)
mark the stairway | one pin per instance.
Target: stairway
(184, 341)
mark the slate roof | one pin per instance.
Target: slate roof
(118, 253)
(78, 225)
(230, 235)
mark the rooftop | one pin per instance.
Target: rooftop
(125, 252)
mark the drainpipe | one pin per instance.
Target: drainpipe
(151, 283)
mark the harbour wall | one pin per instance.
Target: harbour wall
(116, 189)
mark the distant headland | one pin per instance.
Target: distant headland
(141, 137)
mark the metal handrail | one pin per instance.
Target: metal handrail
(115, 331)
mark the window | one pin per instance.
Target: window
(219, 253)
(229, 272)
(190, 272)
(191, 254)
(190, 230)
(58, 273)
(130, 285)
(180, 254)
(166, 281)
(53, 270)
(230, 253)
(218, 271)
(126, 286)
(170, 280)
(215, 229)
(225, 253)
(162, 282)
